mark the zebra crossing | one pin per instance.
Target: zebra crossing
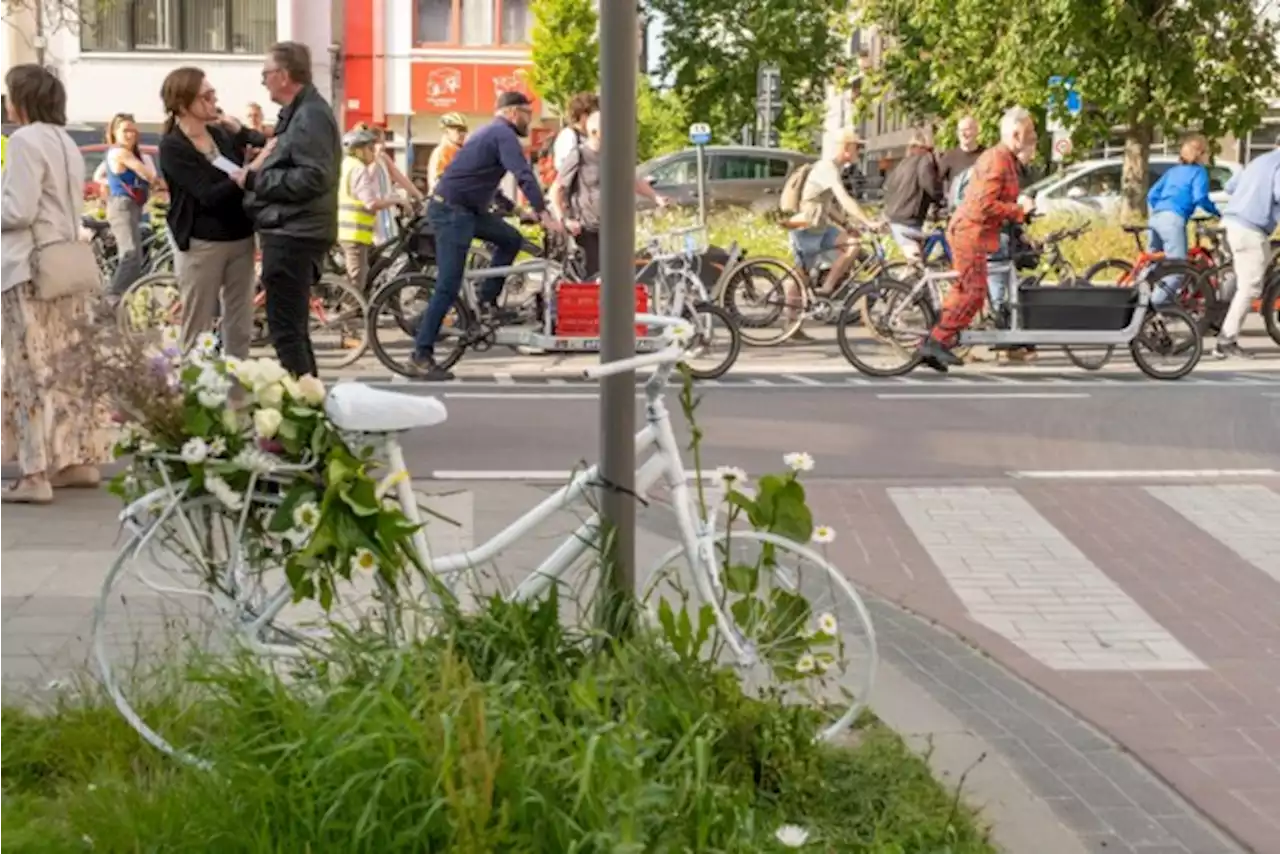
(834, 381)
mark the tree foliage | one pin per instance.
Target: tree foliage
(662, 122)
(1139, 65)
(565, 49)
(713, 49)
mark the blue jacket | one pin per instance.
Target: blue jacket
(471, 179)
(1182, 189)
(1255, 193)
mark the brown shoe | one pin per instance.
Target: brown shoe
(28, 491)
(77, 477)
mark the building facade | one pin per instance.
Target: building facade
(405, 63)
(114, 56)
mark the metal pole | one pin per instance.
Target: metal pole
(702, 186)
(768, 112)
(618, 64)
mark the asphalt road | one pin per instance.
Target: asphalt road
(882, 432)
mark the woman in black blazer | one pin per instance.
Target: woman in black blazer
(200, 155)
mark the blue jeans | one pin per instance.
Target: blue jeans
(1168, 235)
(455, 227)
(998, 281)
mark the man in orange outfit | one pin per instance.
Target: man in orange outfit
(990, 200)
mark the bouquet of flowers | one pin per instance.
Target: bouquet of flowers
(257, 440)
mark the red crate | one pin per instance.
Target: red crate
(578, 309)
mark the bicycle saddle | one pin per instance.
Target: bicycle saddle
(359, 408)
(95, 224)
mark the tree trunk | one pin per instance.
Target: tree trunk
(1133, 181)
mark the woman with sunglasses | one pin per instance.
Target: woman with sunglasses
(201, 153)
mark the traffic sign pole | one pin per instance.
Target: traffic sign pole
(700, 135)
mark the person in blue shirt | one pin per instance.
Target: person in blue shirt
(459, 212)
(1250, 219)
(1172, 201)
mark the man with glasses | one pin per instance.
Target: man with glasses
(293, 198)
(459, 212)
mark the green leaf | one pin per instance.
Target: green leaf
(341, 469)
(282, 518)
(361, 496)
(741, 578)
(791, 515)
(198, 421)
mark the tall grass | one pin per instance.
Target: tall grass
(507, 733)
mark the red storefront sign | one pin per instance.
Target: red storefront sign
(439, 87)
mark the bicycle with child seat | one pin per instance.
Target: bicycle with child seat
(337, 315)
(771, 629)
(539, 325)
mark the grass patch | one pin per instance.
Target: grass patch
(508, 733)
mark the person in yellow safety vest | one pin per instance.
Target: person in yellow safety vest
(359, 203)
(4, 149)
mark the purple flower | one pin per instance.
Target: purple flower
(160, 367)
(271, 446)
(171, 352)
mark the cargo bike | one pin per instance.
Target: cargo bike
(563, 317)
(893, 317)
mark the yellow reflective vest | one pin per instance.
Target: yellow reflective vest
(4, 149)
(355, 221)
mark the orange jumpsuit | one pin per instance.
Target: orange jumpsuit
(990, 200)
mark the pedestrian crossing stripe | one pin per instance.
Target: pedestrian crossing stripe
(826, 381)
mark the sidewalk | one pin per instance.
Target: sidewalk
(1049, 783)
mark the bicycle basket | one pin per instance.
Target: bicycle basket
(689, 242)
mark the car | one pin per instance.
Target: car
(95, 153)
(1093, 186)
(736, 175)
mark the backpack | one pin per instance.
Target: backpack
(789, 201)
(958, 186)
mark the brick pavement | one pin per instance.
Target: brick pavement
(1195, 562)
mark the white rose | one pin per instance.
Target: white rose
(246, 372)
(291, 389)
(266, 422)
(231, 421)
(268, 371)
(211, 398)
(270, 396)
(311, 390)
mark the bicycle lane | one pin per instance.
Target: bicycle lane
(1150, 611)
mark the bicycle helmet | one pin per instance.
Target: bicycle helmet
(453, 120)
(358, 138)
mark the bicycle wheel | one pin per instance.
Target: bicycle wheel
(150, 303)
(717, 341)
(1168, 331)
(337, 324)
(1196, 295)
(755, 294)
(411, 294)
(889, 316)
(1270, 307)
(183, 593)
(1089, 358)
(1108, 272)
(790, 622)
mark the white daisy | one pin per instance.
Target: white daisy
(254, 460)
(827, 625)
(206, 343)
(798, 461)
(805, 664)
(731, 477)
(217, 447)
(363, 561)
(792, 836)
(681, 333)
(195, 451)
(222, 491)
(306, 516)
(822, 535)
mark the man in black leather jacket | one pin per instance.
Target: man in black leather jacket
(293, 198)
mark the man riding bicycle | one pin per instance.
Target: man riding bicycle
(459, 212)
(913, 187)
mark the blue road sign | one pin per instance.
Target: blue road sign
(1073, 97)
(700, 133)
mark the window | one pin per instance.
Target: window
(1262, 140)
(473, 23)
(682, 170)
(739, 167)
(1103, 181)
(1218, 178)
(194, 26)
(779, 168)
(517, 22)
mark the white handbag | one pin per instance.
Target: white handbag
(63, 268)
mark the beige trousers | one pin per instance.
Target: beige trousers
(211, 270)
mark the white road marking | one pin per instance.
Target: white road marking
(983, 395)
(563, 475)
(1021, 578)
(801, 380)
(1141, 474)
(503, 379)
(1243, 517)
(521, 395)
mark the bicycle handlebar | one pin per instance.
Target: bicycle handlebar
(666, 356)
